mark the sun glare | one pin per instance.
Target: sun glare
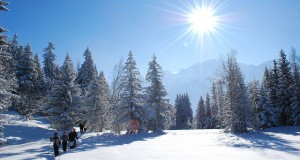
(202, 20)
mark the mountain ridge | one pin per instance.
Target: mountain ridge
(197, 79)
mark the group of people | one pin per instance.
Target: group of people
(64, 140)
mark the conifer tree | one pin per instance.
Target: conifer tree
(235, 97)
(87, 72)
(221, 104)
(131, 105)
(207, 112)
(41, 86)
(97, 102)
(214, 107)
(200, 114)
(253, 97)
(157, 104)
(284, 92)
(27, 76)
(266, 116)
(14, 44)
(6, 84)
(295, 91)
(274, 82)
(50, 68)
(63, 103)
(184, 113)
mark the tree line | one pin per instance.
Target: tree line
(237, 107)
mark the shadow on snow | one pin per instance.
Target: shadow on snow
(109, 139)
(267, 139)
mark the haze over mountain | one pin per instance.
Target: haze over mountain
(197, 79)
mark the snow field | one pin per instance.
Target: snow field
(29, 140)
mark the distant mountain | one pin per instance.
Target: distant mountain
(197, 79)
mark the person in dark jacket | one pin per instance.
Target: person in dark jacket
(81, 126)
(65, 140)
(56, 144)
(72, 137)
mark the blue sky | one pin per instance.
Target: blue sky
(111, 28)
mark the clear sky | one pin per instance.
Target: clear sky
(111, 28)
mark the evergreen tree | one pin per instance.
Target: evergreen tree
(221, 104)
(296, 96)
(97, 102)
(235, 98)
(5, 57)
(214, 106)
(207, 112)
(63, 103)
(200, 114)
(158, 106)
(266, 114)
(274, 82)
(41, 86)
(50, 68)
(184, 113)
(7, 76)
(14, 44)
(131, 105)
(284, 92)
(87, 72)
(27, 76)
(253, 97)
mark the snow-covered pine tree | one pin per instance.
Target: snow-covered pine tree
(236, 106)
(253, 98)
(188, 110)
(27, 76)
(179, 112)
(284, 92)
(131, 105)
(157, 104)
(184, 112)
(200, 114)
(207, 112)
(274, 85)
(63, 102)
(87, 72)
(214, 107)
(220, 102)
(97, 102)
(50, 68)
(14, 44)
(266, 114)
(41, 86)
(5, 83)
(295, 89)
(7, 76)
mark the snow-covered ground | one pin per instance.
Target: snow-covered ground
(29, 140)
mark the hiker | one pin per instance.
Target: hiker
(81, 126)
(72, 137)
(56, 144)
(65, 140)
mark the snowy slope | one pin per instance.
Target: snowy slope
(29, 140)
(197, 79)
(26, 139)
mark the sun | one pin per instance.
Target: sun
(202, 20)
